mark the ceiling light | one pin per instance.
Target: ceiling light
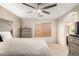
(68, 23)
(39, 10)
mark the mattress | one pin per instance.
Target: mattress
(24, 47)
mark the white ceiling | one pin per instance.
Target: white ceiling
(55, 12)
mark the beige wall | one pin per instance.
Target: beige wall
(31, 23)
(5, 14)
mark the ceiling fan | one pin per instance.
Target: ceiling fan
(39, 9)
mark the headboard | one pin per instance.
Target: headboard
(5, 25)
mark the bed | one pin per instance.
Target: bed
(20, 46)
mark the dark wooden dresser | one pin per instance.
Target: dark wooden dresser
(26, 33)
(73, 43)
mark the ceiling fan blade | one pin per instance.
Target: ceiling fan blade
(29, 11)
(46, 12)
(50, 6)
(28, 5)
(39, 3)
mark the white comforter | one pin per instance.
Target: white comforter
(24, 47)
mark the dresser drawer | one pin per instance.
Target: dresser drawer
(74, 46)
(73, 53)
(26, 29)
(74, 49)
(74, 40)
(26, 35)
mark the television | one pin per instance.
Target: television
(77, 28)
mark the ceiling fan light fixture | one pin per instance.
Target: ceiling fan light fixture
(39, 11)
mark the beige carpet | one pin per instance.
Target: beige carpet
(57, 50)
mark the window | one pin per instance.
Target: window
(43, 30)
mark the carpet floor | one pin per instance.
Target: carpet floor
(57, 50)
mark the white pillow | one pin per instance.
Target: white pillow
(6, 35)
